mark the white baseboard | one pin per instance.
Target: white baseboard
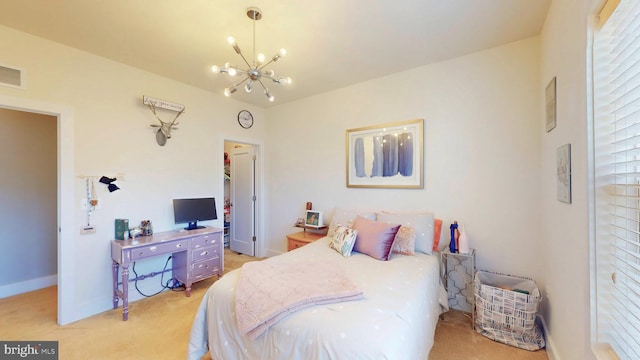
(550, 347)
(272, 253)
(29, 285)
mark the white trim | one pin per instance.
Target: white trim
(28, 285)
(550, 347)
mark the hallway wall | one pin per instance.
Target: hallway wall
(28, 198)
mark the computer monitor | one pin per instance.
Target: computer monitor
(193, 210)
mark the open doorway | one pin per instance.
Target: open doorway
(29, 200)
(241, 199)
(63, 208)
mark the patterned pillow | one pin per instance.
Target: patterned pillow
(405, 241)
(343, 240)
(374, 238)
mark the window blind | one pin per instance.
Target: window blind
(607, 9)
(617, 150)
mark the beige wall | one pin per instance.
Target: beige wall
(482, 151)
(565, 229)
(108, 128)
(28, 198)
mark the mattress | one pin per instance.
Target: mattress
(403, 298)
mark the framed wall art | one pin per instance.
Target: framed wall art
(563, 170)
(550, 104)
(313, 218)
(386, 156)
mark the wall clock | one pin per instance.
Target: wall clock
(245, 119)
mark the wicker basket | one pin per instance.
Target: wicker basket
(506, 309)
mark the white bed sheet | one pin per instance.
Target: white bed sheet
(396, 320)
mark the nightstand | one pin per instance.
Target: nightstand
(301, 238)
(459, 270)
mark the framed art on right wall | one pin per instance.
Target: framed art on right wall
(563, 171)
(550, 104)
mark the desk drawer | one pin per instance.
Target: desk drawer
(152, 250)
(205, 268)
(205, 253)
(205, 240)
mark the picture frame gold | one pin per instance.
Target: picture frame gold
(386, 156)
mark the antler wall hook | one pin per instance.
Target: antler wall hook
(163, 131)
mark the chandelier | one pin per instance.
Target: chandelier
(255, 71)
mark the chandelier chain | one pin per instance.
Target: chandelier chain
(255, 61)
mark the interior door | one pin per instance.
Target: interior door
(243, 200)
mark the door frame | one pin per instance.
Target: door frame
(65, 193)
(260, 246)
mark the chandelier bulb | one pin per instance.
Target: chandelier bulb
(254, 71)
(269, 96)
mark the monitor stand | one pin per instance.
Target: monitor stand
(193, 225)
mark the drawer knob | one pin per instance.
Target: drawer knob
(178, 245)
(204, 253)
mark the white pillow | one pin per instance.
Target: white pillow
(346, 217)
(421, 222)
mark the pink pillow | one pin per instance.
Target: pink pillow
(374, 238)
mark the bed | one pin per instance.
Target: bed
(395, 318)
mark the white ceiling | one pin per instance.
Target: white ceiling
(330, 43)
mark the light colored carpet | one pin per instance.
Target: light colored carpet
(456, 340)
(158, 327)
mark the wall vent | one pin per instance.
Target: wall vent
(11, 77)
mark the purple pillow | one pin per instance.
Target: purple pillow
(374, 238)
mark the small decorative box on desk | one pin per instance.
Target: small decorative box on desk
(458, 279)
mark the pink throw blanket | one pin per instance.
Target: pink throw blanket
(267, 291)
